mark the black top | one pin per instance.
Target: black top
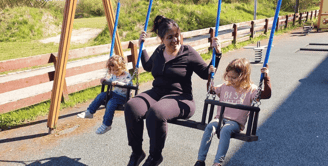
(174, 76)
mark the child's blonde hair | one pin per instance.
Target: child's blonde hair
(243, 68)
(116, 62)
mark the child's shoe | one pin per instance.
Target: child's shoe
(85, 114)
(216, 164)
(200, 163)
(103, 129)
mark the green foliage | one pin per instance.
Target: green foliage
(20, 3)
(25, 23)
(89, 8)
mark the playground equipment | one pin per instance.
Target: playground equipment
(258, 51)
(323, 15)
(190, 123)
(108, 83)
(57, 91)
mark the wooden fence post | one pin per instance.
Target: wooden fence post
(234, 34)
(286, 26)
(307, 16)
(134, 54)
(57, 90)
(252, 29)
(53, 59)
(212, 34)
(277, 24)
(300, 19)
(315, 14)
(294, 19)
(311, 15)
(266, 26)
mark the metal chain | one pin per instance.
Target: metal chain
(209, 90)
(257, 100)
(135, 73)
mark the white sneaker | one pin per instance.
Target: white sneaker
(85, 114)
(103, 129)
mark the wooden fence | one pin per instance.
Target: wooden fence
(239, 32)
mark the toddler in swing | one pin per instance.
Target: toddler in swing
(238, 89)
(119, 76)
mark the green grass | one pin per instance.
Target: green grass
(94, 22)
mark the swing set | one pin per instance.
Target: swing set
(63, 53)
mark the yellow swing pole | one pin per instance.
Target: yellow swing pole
(60, 70)
(111, 21)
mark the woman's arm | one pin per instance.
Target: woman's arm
(145, 60)
(198, 64)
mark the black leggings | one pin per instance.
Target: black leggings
(157, 107)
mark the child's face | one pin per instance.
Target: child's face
(115, 70)
(232, 77)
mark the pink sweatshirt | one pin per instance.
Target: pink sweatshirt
(228, 94)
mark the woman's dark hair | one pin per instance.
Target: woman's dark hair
(162, 25)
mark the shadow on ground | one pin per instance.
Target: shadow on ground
(63, 160)
(296, 133)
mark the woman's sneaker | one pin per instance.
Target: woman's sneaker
(103, 129)
(85, 114)
(200, 163)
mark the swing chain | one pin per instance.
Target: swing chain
(257, 99)
(135, 73)
(209, 90)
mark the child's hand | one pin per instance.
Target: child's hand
(216, 44)
(265, 70)
(142, 37)
(211, 69)
(102, 80)
(114, 83)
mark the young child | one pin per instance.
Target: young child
(116, 66)
(237, 89)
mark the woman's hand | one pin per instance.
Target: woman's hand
(142, 37)
(265, 70)
(211, 69)
(216, 44)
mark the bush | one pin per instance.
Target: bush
(89, 8)
(26, 23)
(19, 3)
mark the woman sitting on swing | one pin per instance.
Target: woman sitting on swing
(172, 66)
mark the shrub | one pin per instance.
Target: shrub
(19, 3)
(89, 8)
(26, 23)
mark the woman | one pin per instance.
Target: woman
(172, 66)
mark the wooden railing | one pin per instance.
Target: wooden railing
(239, 32)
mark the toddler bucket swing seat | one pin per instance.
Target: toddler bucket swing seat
(250, 134)
(108, 83)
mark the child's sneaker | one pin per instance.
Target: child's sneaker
(103, 129)
(85, 114)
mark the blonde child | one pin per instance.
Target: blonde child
(237, 89)
(117, 68)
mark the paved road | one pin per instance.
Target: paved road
(292, 127)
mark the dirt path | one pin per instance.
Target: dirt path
(79, 36)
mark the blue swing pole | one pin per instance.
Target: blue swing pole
(145, 29)
(216, 34)
(115, 27)
(271, 37)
